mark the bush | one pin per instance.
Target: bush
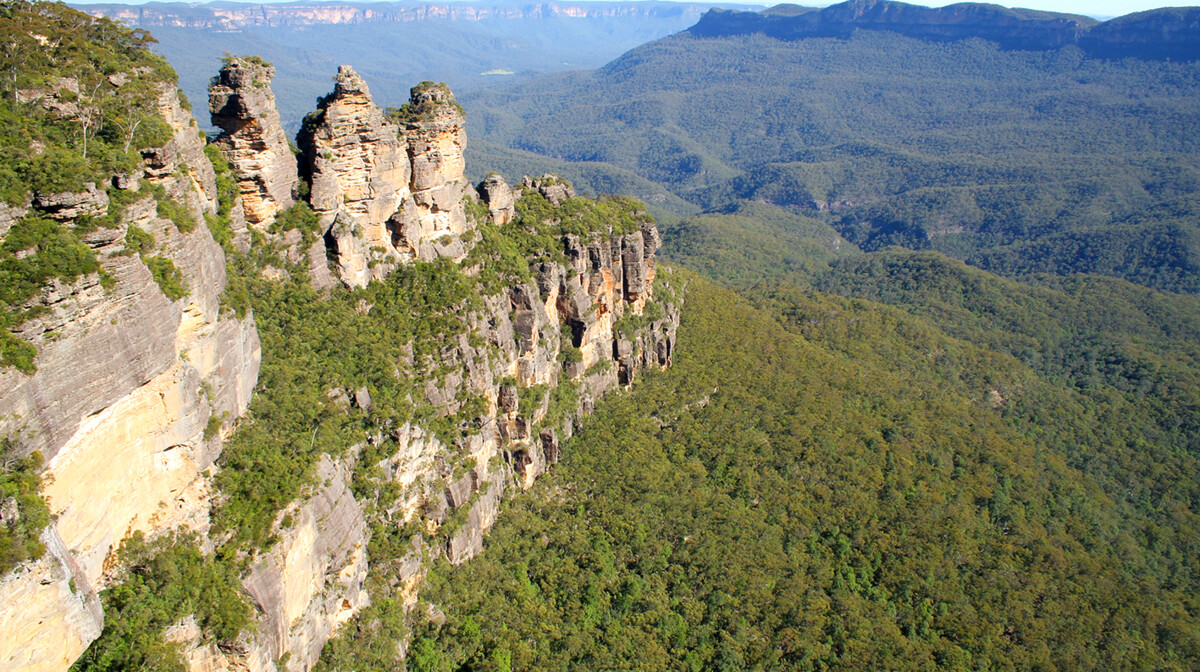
(20, 481)
(168, 278)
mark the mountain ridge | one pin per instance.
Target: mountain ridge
(1157, 34)
(233, 15)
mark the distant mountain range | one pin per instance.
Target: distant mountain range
(1161, 33)
(240, 15)
(962, 130)
(394, 45)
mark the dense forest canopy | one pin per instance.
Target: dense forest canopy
(822, 484)
(1017, 161)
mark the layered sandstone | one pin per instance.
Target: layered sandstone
(130, 447)
(386, 194)
(127, 382)
(242, 105)
(59, 613)
(434, 129)
(359, 172)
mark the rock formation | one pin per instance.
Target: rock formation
(435, 132)
(386, 194)
(129, 446)
(499, 198)
(242, 105)
(1169, 33)
(1011, 28)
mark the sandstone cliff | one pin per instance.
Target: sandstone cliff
(242, 105)
(140, 376)
(536, 355)
(127, 382)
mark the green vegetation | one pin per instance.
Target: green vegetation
(34, 252)
(220, 225)
(161, 582)
(312, 345)
(86, 96)
(299, 216)
(20, 485)
(1014, 161)
(78, 99)
(848, 498)
(138, 241)
(749, 243)
(503, 254)
(427, 106)
(167, 277)
(168, 208)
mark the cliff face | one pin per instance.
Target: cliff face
(385, 194)
(138, 381)
(538, 354)
(231, 17)
(242, 105)
(127, 382)
(1011, 28)
(1168, 33)
(59, 613)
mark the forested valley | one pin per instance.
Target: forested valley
(870, 454)
(935, 401)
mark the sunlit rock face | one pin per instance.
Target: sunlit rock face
(252, 139)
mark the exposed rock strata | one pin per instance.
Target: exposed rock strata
(512, 356)
(129, 447)
(309, 583)
(127, 380)
(58, 616)
(242, 105)
(385, 194)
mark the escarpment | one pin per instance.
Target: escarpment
(502, 315)
(555, 307)
(578, 313)
(137, 373)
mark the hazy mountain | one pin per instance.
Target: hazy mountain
(997, 136)
(394, 44)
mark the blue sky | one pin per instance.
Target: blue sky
(1097, 8)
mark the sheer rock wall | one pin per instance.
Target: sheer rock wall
(242, 105)
(126, 382)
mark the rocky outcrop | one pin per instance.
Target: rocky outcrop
(359, 173)
(385, 194)
(131, 447)
(242, 105)
(58, 616)
(128, 380)
(1158, 34)
(434, 128)
(499, 198)
(537, 354)
(307, 585)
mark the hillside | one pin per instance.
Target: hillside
(833, 484)
(1015, 158)
(246, 392)
(339, 401)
